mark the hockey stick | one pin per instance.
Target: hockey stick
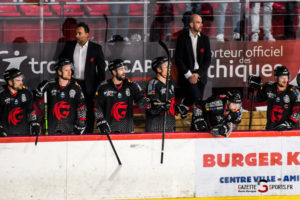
(36, 139)
(251, 110)
(164, 46)
(106, 27)
(46, 113)
(113, 147)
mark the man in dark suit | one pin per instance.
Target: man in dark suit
(193, 57)
(89, 67)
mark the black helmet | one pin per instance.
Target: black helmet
(157, 62)
(234, 96)
(12, 73)
(115, 64)
(298, 80)
(62, 62)
(281, 71)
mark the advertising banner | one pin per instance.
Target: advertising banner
(247, 167)
(232, 62)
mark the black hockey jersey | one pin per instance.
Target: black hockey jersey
(17, 111)
(213, 112)
(115, 104)
(282, 106)
(66, 107)
(155, 117)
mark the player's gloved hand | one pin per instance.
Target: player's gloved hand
(221, 130)
(35, 129)
(254, 82)
(182, 110)
(2, 132)
(200, 124)
(283, 126)
(41, 88)
(79, 127)
(157, 105)
(103, 126)
(166, 106)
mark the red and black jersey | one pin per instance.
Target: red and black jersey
(17, 111)
(282, 106)
(65, 107)
(214, 112)
(156, 90)
(114, 103)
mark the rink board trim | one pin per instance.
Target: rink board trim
(148, 136)
(233, 198)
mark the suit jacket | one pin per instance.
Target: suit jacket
(184, 56)
(94, 66)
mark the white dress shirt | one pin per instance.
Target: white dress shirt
(79, 58)
(194, 46)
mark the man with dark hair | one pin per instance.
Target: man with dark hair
(18, 117)
(65, 101)
(114, 101)
(283, 100)
(218, 114)
(193, 57)
(156, 92)
(89, 67)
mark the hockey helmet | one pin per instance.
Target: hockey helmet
(12, 73)
(115, 64)
(157, 62)
(234, 96)
(281, 71)
(62, 62)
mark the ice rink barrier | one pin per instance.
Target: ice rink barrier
(247, 165)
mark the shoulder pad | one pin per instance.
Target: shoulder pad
(103, 83)
(77, 84)
(293, 89)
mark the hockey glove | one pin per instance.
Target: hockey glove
(39, 92)
(284, 126)
(254, 82)
(35, 129)
(182, 110)
(2, 132)
(200, 125)
(103, 127)
(79, 127)
(156, 105)
(220, 131)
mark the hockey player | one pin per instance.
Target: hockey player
(283, 100)
(114, 101)
(156, 92)
(65, 101)
(218, 114)
(18, 117)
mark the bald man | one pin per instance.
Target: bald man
(193, 57)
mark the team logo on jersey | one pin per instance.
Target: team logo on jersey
(23, 98)
(15, 116)
(277, 99)
(276, 113)
(286, 99)
(163, 91)
(72, 93)
(109, 93)
(53, 92)
(127, 92)
(61, 110)
(7, 100)
(271, 95)
(16, 102)
(120, 95)
(118, 111)
(62, 95)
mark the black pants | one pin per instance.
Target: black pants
(193, 92)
